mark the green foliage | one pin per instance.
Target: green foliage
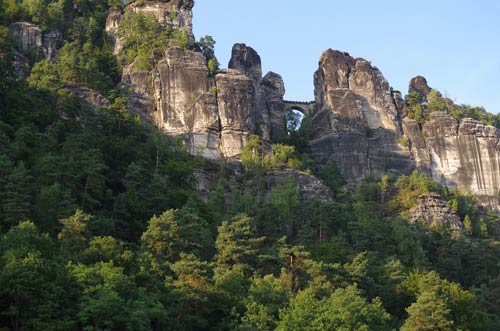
(410, 187)
(345, 309)
(119, 239)
(418, 107)
(207, 47)
(282, 156)
(145, 40)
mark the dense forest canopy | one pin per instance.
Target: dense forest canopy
(102, 229)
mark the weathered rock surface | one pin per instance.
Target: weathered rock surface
(247, 61)
(464, 156)
(419, 84)
(89, 96)
(431, 209)
(357, 122)
(112, 24)
(178, 96)
(235, 98)
(174, 13)
(267, 99)
(30, 37)
(271, 107)
(27, 35)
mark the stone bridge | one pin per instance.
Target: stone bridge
(303, 107)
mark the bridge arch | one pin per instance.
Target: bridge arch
(301, 106)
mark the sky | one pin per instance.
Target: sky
(454, 44)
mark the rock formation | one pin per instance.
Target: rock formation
(206, 180)
(173, 13)
(30, 37)
(431, 209)
(357, 118)
(463, 155)
(214, 115)
(89, 97)
(267, 99)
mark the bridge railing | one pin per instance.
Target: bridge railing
(299, 102)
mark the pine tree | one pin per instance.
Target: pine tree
(16, 198)
(428, 313)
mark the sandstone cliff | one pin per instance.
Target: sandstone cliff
(357, 118)
(463, 155)
(214, 114)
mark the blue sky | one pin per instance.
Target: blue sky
(454, 44)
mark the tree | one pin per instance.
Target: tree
(237, 246)
(251, 155)
(73, 235)
(207, 45)
(192, 290)
(37, 292)
(429, 313)
(345, 310)
(16, 198)
(436, 102)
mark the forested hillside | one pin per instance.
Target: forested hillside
(102, 227)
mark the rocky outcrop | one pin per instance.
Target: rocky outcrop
(431, 210)
(310, 187)
(463, 155)
(235, 100)
(271, 107)
(206, 180)
(112, 24)
(267, 100)
(419, 84)
(179, 97)
(357, 118)
(89, 97)
(247, 61)
(30, 37)
(172, 13)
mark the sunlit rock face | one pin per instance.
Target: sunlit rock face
(463, 155)
(357, 118)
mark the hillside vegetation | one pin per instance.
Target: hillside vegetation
(102, 228)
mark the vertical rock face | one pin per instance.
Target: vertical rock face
(186, 105)
(357, 121)
(463, 155)
(30, 37)
(267, 100)
(272, 107)
(246, 60)
(235, 99)
(27, 35)
(112, 24)
(178, 97)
